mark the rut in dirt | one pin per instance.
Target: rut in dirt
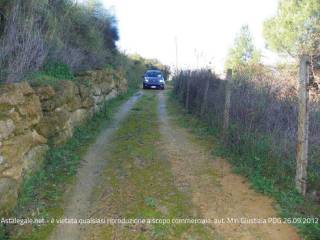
(203, 183)
(77, 201)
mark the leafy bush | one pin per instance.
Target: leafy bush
(58, 70)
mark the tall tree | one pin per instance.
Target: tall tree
(243, 52)
(295, 29)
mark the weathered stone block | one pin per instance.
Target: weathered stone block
(19, 103)
(79, 116)
(56, 125)
(53, 111)
(33, 160)
(30, 112)
(16, 147)
(111, 95)
(68, 95)
(11, 95)
(25, 88)
(84, 91)
(45, 92)
(88, 102)
(8, 195)
(101, 81)
(14, 172)
(122, 85)
(6, 128)
(98, 99)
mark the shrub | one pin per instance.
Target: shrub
(22, 45)
(58, 70)
(39, 31)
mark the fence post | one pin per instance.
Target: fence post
(303, 127)
(180, 85)
(205, 98)
(227, 104)
(188, 93)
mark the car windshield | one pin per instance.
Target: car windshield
(153, 74)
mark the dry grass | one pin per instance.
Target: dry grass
(262, 136)
(263, 122)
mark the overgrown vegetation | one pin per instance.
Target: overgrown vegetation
(243, 52)
(51, 75)
(295, 31)
(41, 195)
(138, 184)
(37, 32)
(261, 139)
(44, 42)
(295, 28)
(134, 67)
(41, 38)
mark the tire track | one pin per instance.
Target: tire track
(214, 189)
(78, 198)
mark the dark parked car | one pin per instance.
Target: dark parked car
(153, 79)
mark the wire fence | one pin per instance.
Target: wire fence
(262, 121)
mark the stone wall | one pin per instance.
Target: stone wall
(30, 115)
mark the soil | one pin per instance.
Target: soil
(77, 200)
(208, 181)
(215, 190)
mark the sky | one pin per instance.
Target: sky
(204, 29)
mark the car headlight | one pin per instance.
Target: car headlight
(161, 81)
(146, 80)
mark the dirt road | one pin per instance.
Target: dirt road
(149, 167)
(77, 201)
(215, 190)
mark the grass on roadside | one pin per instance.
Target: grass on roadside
(51, 74)
(250, 161)
(41, 195)
(138, 183)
